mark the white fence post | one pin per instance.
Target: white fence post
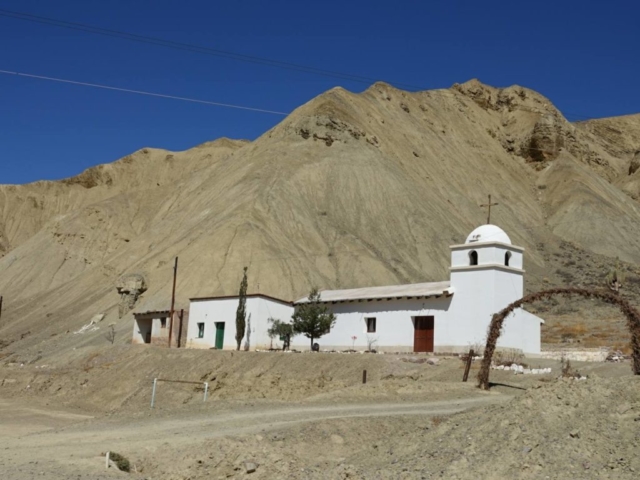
(153, 393)
(206, 390)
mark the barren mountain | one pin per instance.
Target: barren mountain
(349, 190)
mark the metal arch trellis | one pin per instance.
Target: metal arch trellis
(495, 328)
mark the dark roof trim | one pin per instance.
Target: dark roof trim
(387, 299)
(249, 295)
(160, 312)
(154, 312)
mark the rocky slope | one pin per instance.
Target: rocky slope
(349, 190)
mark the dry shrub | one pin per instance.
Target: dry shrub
(508, 356)
(437, 420)
(121, 461)
(567, 370)
(88, 362)
(625, 348)
(576, 329)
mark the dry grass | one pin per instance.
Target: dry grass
(508, 357)
(437, 420)
(88, 364)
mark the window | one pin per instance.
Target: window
(163, 322)
(201, 330)
(371, 325)
(473, 257)
(507, 257)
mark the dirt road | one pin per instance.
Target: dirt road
(41, 443)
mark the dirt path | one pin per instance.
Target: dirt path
(59, 443)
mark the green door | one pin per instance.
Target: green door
(219, 335)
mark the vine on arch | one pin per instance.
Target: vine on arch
(495, 328)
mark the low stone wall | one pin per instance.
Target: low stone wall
(577, 355)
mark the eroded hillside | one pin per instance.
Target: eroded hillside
(349, 190)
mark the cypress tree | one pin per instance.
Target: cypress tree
(241, 313)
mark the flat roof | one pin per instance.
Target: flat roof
(389, 292)
(249, 295)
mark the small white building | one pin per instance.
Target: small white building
(152, 327)
(451, 316)
(212, 320)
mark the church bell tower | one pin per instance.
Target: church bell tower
(486, 276)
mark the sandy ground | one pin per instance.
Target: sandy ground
(54, 444)
(411, 420)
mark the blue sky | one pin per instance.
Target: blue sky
(583, 55)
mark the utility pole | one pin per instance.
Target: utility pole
(0, 306)
(173, 300)
(489, 205)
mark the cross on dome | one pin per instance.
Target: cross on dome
(489, 205)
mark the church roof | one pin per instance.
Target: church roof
(389, 292)
(488, 233)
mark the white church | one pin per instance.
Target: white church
(444, 317)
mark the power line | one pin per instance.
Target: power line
(141, 92)
(185, 99)
(222, 53)
(192, 100)
(195, 48)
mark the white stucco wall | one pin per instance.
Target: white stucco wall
(394, 324)
(521, 330)
(140, 329)
(224, 310)
(480, 292)
(487, 254)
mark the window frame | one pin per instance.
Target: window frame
(200, 329)
(375, 324)
(163, 322)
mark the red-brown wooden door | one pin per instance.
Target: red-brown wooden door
(423, 334)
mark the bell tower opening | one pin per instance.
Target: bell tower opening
(507, 257)
(473, 257)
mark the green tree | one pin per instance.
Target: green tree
(241, 313)
(281, 330)
(313, 319)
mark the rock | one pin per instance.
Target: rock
(433, 361)
(250, 467)
(130, 287)
(526, 449)
(574, 434)
(337, 439)
(634, 166)
(546, 139)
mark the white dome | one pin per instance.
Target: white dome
(488, 233)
